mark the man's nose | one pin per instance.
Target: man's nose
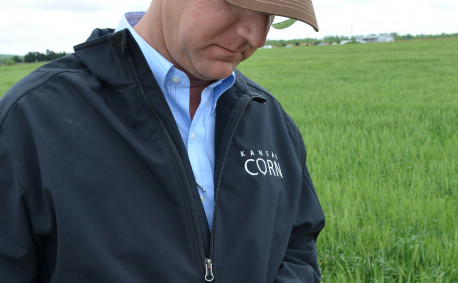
(253, 26)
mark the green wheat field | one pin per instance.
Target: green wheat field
(380, 123)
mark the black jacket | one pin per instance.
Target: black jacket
(96, 185)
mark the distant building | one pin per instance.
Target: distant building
(357, 40)
(370, 38)
(305, 44)
(376, 38)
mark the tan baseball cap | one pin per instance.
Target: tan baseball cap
(301, 10)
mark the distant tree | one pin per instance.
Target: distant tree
(333, 39)
(32, 57)
(408, 36)
(41, 57)
(339, 39)
(9, 62)
(51, 55)
(17, 59)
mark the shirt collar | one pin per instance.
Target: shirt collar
(163, 70)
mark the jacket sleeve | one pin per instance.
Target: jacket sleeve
(300, 262)
(17, 251)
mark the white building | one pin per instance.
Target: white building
(376, 38)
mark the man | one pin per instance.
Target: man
(146, 157)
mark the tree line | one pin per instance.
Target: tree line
(32, 57)
(40, 57)
(338, 39)
(50, 55)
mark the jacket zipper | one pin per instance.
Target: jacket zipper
(209, 275)
(209, 270)
(208, 262)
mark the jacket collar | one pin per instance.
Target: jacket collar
(103, 54)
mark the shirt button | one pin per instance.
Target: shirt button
(193, 136)
(202, 198)
(175, 79)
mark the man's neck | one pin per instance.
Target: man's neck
(150, 29)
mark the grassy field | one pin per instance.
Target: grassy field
(380, 123)
(9, 75)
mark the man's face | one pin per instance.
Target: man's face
(209, 38)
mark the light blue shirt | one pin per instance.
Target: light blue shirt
(199, 134)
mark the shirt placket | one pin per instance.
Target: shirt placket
(199, 147)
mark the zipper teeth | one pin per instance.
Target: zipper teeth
(178, 160)
(220, 177)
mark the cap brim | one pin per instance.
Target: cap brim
(301, 10)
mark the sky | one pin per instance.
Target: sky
(58, 25)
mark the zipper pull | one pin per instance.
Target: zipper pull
(208, 270)
(200, 187)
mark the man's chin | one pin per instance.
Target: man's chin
(218, 70)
